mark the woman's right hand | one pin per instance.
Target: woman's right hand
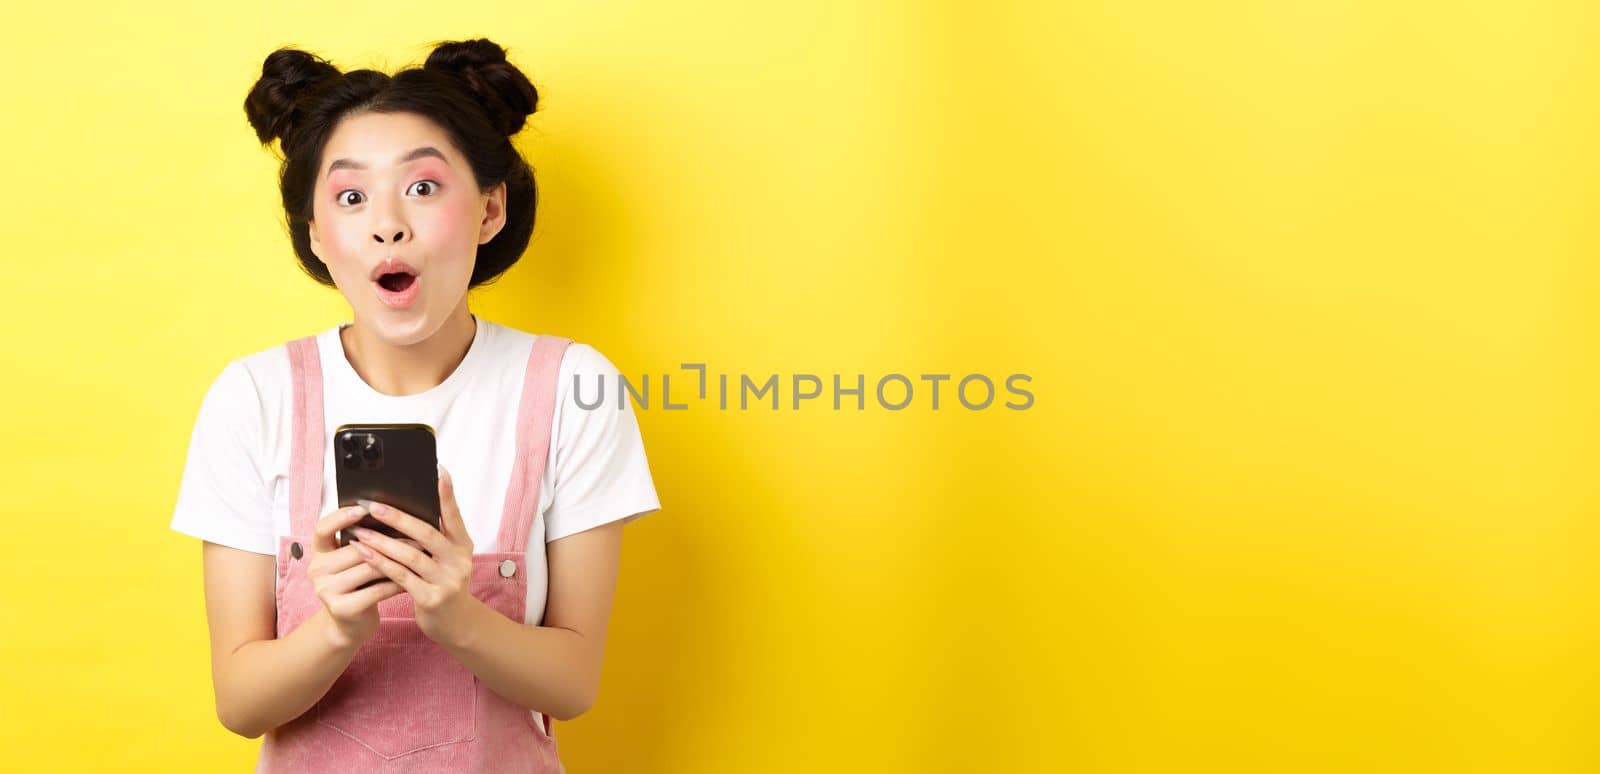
(337, 575)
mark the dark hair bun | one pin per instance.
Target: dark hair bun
(505, 93)
(287, 77)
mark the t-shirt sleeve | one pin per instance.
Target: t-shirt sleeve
(601, 474)
(223, 497)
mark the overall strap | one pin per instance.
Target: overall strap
(305, 452)
(535, 412)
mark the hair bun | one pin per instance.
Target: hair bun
(504, 91)
(287, 76)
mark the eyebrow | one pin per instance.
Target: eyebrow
(425, 150)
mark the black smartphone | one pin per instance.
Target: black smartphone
(395, 464)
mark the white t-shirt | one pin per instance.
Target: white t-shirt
(235, 487)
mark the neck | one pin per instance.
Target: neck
(407, 369)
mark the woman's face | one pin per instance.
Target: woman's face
(391, 186)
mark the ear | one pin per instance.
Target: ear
(316, 243)
(494, 213)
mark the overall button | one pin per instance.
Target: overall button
(294, 550)
(508, 568)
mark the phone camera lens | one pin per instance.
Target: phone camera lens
(351, 461)
(371, 452)
(349, 443)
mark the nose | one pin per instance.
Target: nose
(389, 222)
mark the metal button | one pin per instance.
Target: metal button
(508, 568)
(294, 550)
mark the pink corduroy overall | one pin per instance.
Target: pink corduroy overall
(404, 704)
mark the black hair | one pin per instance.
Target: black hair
(467, 87)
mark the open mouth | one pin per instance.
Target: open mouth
(397, 281)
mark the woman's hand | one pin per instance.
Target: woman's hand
(337, 575)
(440, 584)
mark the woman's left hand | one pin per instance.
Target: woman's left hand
(439, 585)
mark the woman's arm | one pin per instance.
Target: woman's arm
(554, 667)
(260, 680)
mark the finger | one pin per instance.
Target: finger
(373, 594)
(398, 551)
(347, 580)
(394, 570)
(455, 527)
(334, 561)
(322, 537)
(412, 527)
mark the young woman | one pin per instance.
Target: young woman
(404, 192)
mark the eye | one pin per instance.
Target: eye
(342, 200)
(432, 186)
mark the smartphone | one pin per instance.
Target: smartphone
(394, 464)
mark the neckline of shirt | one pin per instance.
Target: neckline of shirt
(335, 359)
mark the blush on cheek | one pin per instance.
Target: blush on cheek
(457, 224)
(344, 246)
(343, 250)
(350, 241)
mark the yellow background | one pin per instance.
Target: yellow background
(1305, 290)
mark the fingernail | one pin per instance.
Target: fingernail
(361, 531)
(377, 509)
(355, 509)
